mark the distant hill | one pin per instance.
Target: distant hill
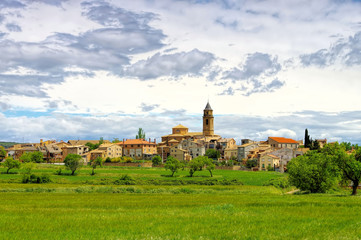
(8, 144)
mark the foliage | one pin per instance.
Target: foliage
(173, 165)
(2, 153)
(96, 145)
(115, 140)
(307, 142)
(125, 180)
(73, 162)
(141, 134)
(209, 165)
(156, 160)
(28, 167)
(349, 164)
(281, 182)
(33, 178)
(314, 172)
(196, 164)
(94, 163)
(270, 168)
(36, 157)
(212, 153)
(250, 163)
(10, 163)
(127, 159)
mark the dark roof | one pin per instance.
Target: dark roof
(208, 107)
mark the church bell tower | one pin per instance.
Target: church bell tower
(208, 121)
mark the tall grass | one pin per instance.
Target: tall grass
(213, 215)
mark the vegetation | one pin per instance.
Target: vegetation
(173, 165)
(96, 145)
(250, 163)
(36, 157)
(73, 162)
(140, 134)
(2, 153)
(213, 153)
(94, 163)
(10, 163)
(7, 144)
(156, 160)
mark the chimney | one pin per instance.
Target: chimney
(149, 141)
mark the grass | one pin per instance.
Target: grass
(92, 207)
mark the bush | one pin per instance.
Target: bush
(313, 172)
(156, 160)
(125, 180)
(281, 182)
(58, 171)
(108, 159)
(33, 178)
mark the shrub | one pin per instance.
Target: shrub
(125, 180)
(156, 160)
(33, 178)
(281, 182)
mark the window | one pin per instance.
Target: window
(206, 121)
(262, 165)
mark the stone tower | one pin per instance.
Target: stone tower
(208, 121)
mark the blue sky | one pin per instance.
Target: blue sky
(91, 69)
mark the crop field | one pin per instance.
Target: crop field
(85, 207)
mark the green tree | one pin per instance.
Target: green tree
(173, 165)
(25, 157)
(95, 145)
(94, 163)
(314, 172)
(2, 153)
(307, 142)
(156, 160)
(141, 134)
(209, 165)
(37, 157)
(250, 163)
(115, 140)
(212, 153)
(349, 164)
(10, 163)
(196, 164)
(28, 167)
(73, 162)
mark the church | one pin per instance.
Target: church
(180, 136)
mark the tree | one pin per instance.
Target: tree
(307, 142)
(196, 164)
(2, 153)
(156, 160)
(209, 165)
(314, 172)
(73, 162)
(25, 157)
(96, 145)
(212, 153)
(349, 164)
(96, 162)
(250, 163)
(173, 165)
(141, 134)
(115, 140)
(37, 157)
(10, 163)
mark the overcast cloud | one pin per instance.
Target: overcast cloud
(86, 69)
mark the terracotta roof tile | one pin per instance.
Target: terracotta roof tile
(283, 140)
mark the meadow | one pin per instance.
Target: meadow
(85, 207)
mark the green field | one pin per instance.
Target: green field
(84, 207)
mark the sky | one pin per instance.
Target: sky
(79, 69)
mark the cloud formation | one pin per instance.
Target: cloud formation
(172, 65)
(345, 51)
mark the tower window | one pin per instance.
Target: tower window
(206, 121)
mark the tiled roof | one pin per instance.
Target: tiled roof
(283, 140)
(135, 141)
(272, 156)
(180, 126)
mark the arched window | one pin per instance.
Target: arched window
(206, 121)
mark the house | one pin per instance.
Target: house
(194, 148)
(112, 150)
(243, 151)
(231, 153)
(83, 142)
(281, 142)
(287, 154)
(269, 160)
(224, 143)
(180, 154)
(138, 148)
(322, 142)
(81, 150)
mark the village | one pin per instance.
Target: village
(273, 153)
